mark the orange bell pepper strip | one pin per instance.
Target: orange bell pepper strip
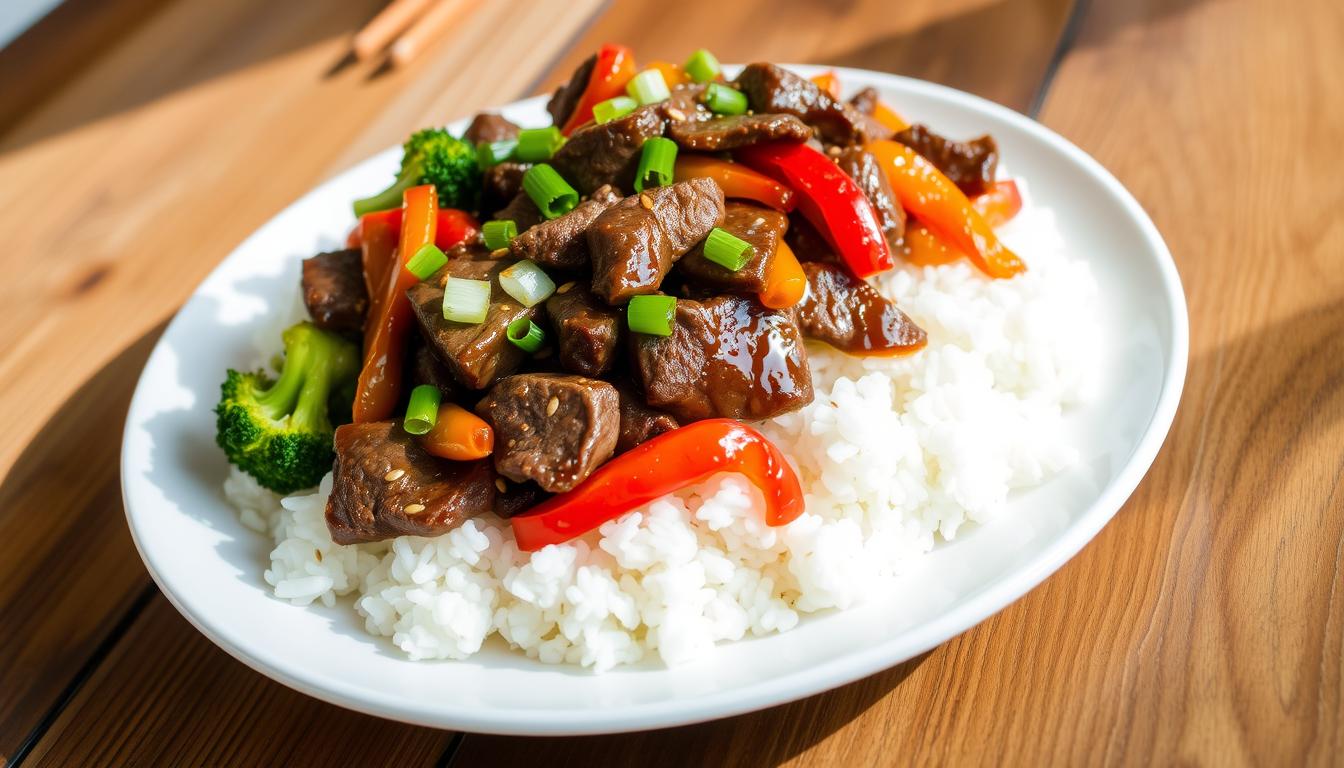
(391, 316)
(459, 435)
(828, 82)
(923, 249)
(379, 233)
(673, 75)
(1000, 204)
(657, 467)
(614, 67)
(785, 282)
(931, 197)
(888, 118)
(735, 180)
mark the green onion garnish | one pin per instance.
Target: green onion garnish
(702, 66)
(465, 300)
(552, 194)
(655, 163)
(648, 87)
(727, 250)
(423, 410)
(426, 261)
(525, 334)
(526, 283)
(497, 234)
(491, 153)
(617, 106)
(651, 314)
(537, 144)
(723, 100)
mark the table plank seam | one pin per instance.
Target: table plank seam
(449, 755)
(1067, 37)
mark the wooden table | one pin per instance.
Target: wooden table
(142, 139)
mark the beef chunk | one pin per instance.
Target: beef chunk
(566, 97)
(500, 184)
(639, 422)
(865, 101)
(861, 166)
(727, 356)
(761, 227)
(476, 353)
(733, 131)
(427, 368)
(488, 126)
(634, 242)
(807, 243)
(560, 243)
(553, 429)
(970, 165)
(334, 290)
(608, 153)
(522, 210)
(684, 103)
(517, 498)
(863, 104)
(385, 485)
(586, 330)
(850, 315)
(771, 88)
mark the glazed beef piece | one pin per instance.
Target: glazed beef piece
(770, 88)
(522, 210)
(727, 356)
(427, 368)
(634, 242)
(516, 498)
(561, 243)
(863, 104)
(865, 101)
(733, 131)
(861, 166)
(488, 126)
(500, 184)
(586, 330)
(552, 429)
(807, 243)
(475, 353)
(850, 315)
(566, 97)
(608, 153)
(761, 227)
(684, 103)
(385, 485)
(970, 165)
(639, 422)
(334, 290)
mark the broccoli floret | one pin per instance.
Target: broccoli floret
(432, 156)
(279, 431)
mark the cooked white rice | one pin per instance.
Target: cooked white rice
(894, 456)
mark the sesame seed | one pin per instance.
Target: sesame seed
(498, 252)
(318, 554)
(758, 222)
(394, 475)
(552, 405)
(524, 427)
(414, 509)
(833, 151)
(566, 288)
(676, 114)
(499, 483)
(646, 201)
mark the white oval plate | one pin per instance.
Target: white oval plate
(210, 566)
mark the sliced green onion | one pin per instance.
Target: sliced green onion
(526, 283)
(648, 87)
(423, 410)
(723, 100)
(552, 194)
(426, 261)
(537, 144)
(497, 234)
(651, 314)
(702, 66)
(617, 106)
(490, 153)
(727, 250)
(655, 163)
(525, 334)
(465, 300)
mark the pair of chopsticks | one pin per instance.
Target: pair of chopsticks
(406, 27)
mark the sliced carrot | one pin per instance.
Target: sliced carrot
(459, 435)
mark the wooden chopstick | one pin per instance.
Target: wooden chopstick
(384, 28)
(441, 15)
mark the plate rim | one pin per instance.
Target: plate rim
(833, 673)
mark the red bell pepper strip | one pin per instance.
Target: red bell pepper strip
(390, 317)
(455, 227)
(925, 192)
(736, 180)
(1000, 204)
(828, 199)
(614, 67)
(669, 462)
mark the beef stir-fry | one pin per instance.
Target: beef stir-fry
(653, 261)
